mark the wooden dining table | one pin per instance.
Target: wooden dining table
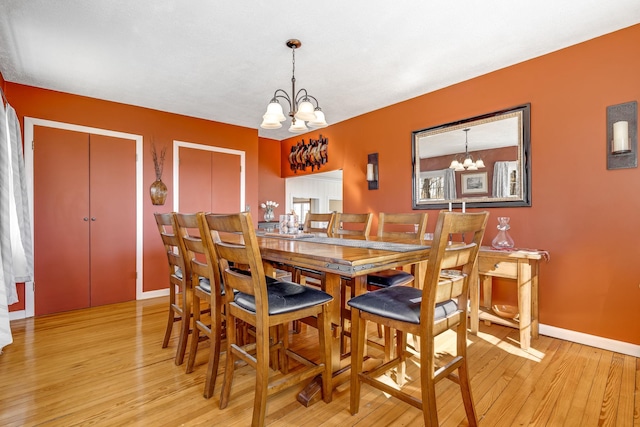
(341, 258)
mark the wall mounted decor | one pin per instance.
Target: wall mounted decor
(158, 189)
(483, 161)
(622, 136)
(313, 155)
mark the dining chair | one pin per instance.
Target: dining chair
(179, 283)
(247, 298)
(426, 313)
(350, 224)
(401, 226)
(318, 222)
(409, 226)
(206, 288)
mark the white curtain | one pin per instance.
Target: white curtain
(450, 184)
(502, 179)
(16, 250)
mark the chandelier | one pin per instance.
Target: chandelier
(467, 163)
(301, 109)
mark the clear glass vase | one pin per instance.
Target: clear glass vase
(502, 239)
(268, 215)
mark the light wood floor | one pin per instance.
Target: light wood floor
(105, 366)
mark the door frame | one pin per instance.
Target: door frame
(176, 168)
(29, 124)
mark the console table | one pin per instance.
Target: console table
(519, 265)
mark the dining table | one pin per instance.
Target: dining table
(339, 258)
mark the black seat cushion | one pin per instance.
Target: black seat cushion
(399, 303)
(206, 286)
(386, 278)
(285, 297)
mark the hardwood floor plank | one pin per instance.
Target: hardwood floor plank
(105, 367)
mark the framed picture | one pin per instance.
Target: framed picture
(474, 183)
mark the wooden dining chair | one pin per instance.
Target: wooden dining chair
(427, 313)
(409, 226)
(350, 224)
(179, 284)
(248, 298)
(318, 223)
(401, 226)
(206, 289)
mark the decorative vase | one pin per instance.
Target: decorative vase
(268, 215)
(158, 191)
(502, 239)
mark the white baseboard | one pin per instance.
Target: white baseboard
(591, 340)
(154, 294)
(18, 314)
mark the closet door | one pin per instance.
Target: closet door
(84, 220)
(61, 220)
(112, 204)
(209, 181)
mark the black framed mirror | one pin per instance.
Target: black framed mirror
(484, 161)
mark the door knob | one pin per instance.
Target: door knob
(86, 218)
(93, 218)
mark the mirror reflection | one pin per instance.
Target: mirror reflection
(483, 161)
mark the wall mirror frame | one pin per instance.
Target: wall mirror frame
(493, 152)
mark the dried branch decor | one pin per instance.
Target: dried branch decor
(158, 161)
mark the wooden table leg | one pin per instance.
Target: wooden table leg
(474, 298)
(534, 299)
(524, 302)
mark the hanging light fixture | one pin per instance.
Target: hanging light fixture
(468, 162)
(301, 109)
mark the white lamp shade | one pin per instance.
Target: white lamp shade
(270, 121)
(459, 167)
(473, 167)
(319, 120)
(467, 162)
(479, 163)
(454, 164)
(275, 109)
(305, 111)
(298, 126)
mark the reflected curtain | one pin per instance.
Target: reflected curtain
(16, 245)
(502, 178)
(450, 184)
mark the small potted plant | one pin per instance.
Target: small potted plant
(268, 207)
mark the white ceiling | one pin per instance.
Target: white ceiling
(222, 61)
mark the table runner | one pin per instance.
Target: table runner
(357, 243)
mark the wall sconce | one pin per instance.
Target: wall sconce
(622, 136)
(372, 171)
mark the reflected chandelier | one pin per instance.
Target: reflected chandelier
(468, 162)
(301, 109)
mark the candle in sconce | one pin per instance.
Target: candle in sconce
(449, 206)
(463, 207)
(370, 172)
(620, 143)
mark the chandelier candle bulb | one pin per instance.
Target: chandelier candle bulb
(620, 137)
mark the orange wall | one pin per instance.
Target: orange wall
(270, 185)
(584, 214)
(163, 127)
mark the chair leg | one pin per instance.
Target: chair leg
(195, 337)
(230, 326)
(358, 335)
(262, 378)
(401, 347)
(184, 327)
(429, 408)
(214, 352)
(172, 317)
(463, 376)
(324, 335)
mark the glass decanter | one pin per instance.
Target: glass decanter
(503, 240)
